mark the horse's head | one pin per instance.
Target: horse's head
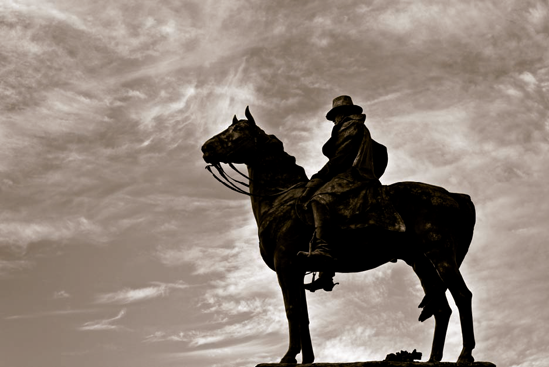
(237, 144)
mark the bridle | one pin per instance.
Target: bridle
(232, 183)
(227, 180)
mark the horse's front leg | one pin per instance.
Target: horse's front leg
(291, 284)
(306, 344)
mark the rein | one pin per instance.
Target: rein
(231, 183)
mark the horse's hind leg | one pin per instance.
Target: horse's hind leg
(442, 319)
(446, 265)
(434, 303)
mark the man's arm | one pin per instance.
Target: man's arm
(347, 146)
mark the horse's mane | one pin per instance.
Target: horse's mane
(275, 149)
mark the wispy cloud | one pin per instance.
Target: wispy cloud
(250, 318)
(8, 266)
(105, 324)
(51, 313)
(18, 235)
(243, 354)
(129, 295)
(205, 260)
(161, 336)
(61, 294)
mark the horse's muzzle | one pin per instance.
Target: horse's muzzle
(208, 158)
(207, 149)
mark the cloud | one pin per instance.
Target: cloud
(243, 300)
(204, 260)
(8, 266)
(237, 333)
(161, 336)
(102, 114)
(18, 234)
(51, 313)
(106, 324)
(61, 294)
(246, 353)
(206, 245)
(128, 295)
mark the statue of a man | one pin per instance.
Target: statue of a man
(350, 151)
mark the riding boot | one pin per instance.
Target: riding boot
(322, 250)
(325, 253)
(324, 232)
(322, 253)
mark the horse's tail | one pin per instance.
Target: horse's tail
(466, 224)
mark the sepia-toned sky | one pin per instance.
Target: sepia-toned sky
(118, 249)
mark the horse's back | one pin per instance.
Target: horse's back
(422, 194)
(436, 206)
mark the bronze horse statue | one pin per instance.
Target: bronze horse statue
(439, 230)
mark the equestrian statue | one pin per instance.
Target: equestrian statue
(344, 220)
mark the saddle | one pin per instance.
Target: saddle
(354, 205)
(367, 207)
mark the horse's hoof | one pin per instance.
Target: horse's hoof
(291, 360)
(434, 359)
(465, 360)
(308, 359)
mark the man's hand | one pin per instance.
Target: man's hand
(310, 189)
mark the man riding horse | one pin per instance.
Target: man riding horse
(358, 222)
(346, 193)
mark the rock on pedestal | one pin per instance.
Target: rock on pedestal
(379, 364)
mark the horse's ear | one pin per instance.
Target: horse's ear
(235, 120)
(249, 116)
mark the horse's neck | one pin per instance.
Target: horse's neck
(269, 175)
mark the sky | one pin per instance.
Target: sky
(117, 248)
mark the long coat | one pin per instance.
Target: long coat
(354, 158)
(351, 187)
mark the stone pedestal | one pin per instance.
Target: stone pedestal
(379, 364)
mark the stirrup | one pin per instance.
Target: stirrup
(320, 283)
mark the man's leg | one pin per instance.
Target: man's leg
(323, 247)
(323, 232)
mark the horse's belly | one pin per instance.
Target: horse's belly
(361, 263)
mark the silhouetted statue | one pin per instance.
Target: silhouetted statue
(424, 225)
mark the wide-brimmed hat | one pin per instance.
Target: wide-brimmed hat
(343, 104)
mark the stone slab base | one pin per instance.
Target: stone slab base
(379, 364)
